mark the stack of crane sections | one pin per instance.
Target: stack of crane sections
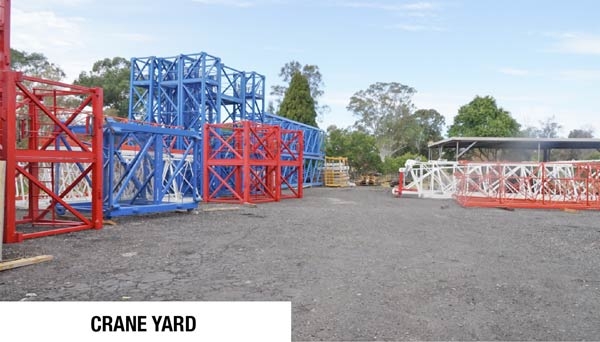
(336, 172)
(246, 162)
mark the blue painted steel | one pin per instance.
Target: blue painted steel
(255, 97)
(145, 173)
(233, 93)
(314, 147)
(143, 90)
(184, 91)
(188, 91)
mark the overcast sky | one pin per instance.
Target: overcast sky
(537, 58)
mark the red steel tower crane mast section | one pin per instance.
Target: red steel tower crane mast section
(54, 134)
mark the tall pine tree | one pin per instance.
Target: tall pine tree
(297, 103)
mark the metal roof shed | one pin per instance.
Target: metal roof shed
(542, 145)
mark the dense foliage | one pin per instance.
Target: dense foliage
(359, 147)
(315, 83)
(297, 103)
(35, 64)
(483, 118)
(112, 74)
(386, 111)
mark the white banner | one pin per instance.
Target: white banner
(145, 321)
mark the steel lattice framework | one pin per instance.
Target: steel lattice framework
(190, 90)
(314, 147)
(552, 185)
(149, 169)
(152, 163)
(255, 97)
(181, 91)
(248, 162)
(171, 98)
(41, 137)
(38, 142)
(429, 179)
(67, 174)
(186, 92)
(232, 95)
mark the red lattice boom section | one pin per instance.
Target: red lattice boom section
(551, 185)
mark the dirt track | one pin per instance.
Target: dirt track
(357, 264)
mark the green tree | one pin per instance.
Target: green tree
(594, 155)
(315, 82)
(379, 104)
(530, 132)
(549, 128)
(421, 128)
(298, 104)
(271, 108)
(575, 154)
(113, 76)
(391, 165)
(581, 133)
(359, 147)
(483, 118)
(35, 64)
(384, 110)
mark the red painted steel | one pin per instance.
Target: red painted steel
(41, 132)
(397, 191)
(551, 185)
(52, 136)
(243, 162)
(291, 164)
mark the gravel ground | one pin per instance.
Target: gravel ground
(356, 263)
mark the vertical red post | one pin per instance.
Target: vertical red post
(588, 175)
(276, 174)
(246, 160)
(34, 191)
(5, 143)
(501, 183)
(400, 182)
(9, 127)
(543, 182)
(238, 139)
(205, 154)
(300, 164)
(97, 142)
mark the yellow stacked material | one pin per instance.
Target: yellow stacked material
(336, 171)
